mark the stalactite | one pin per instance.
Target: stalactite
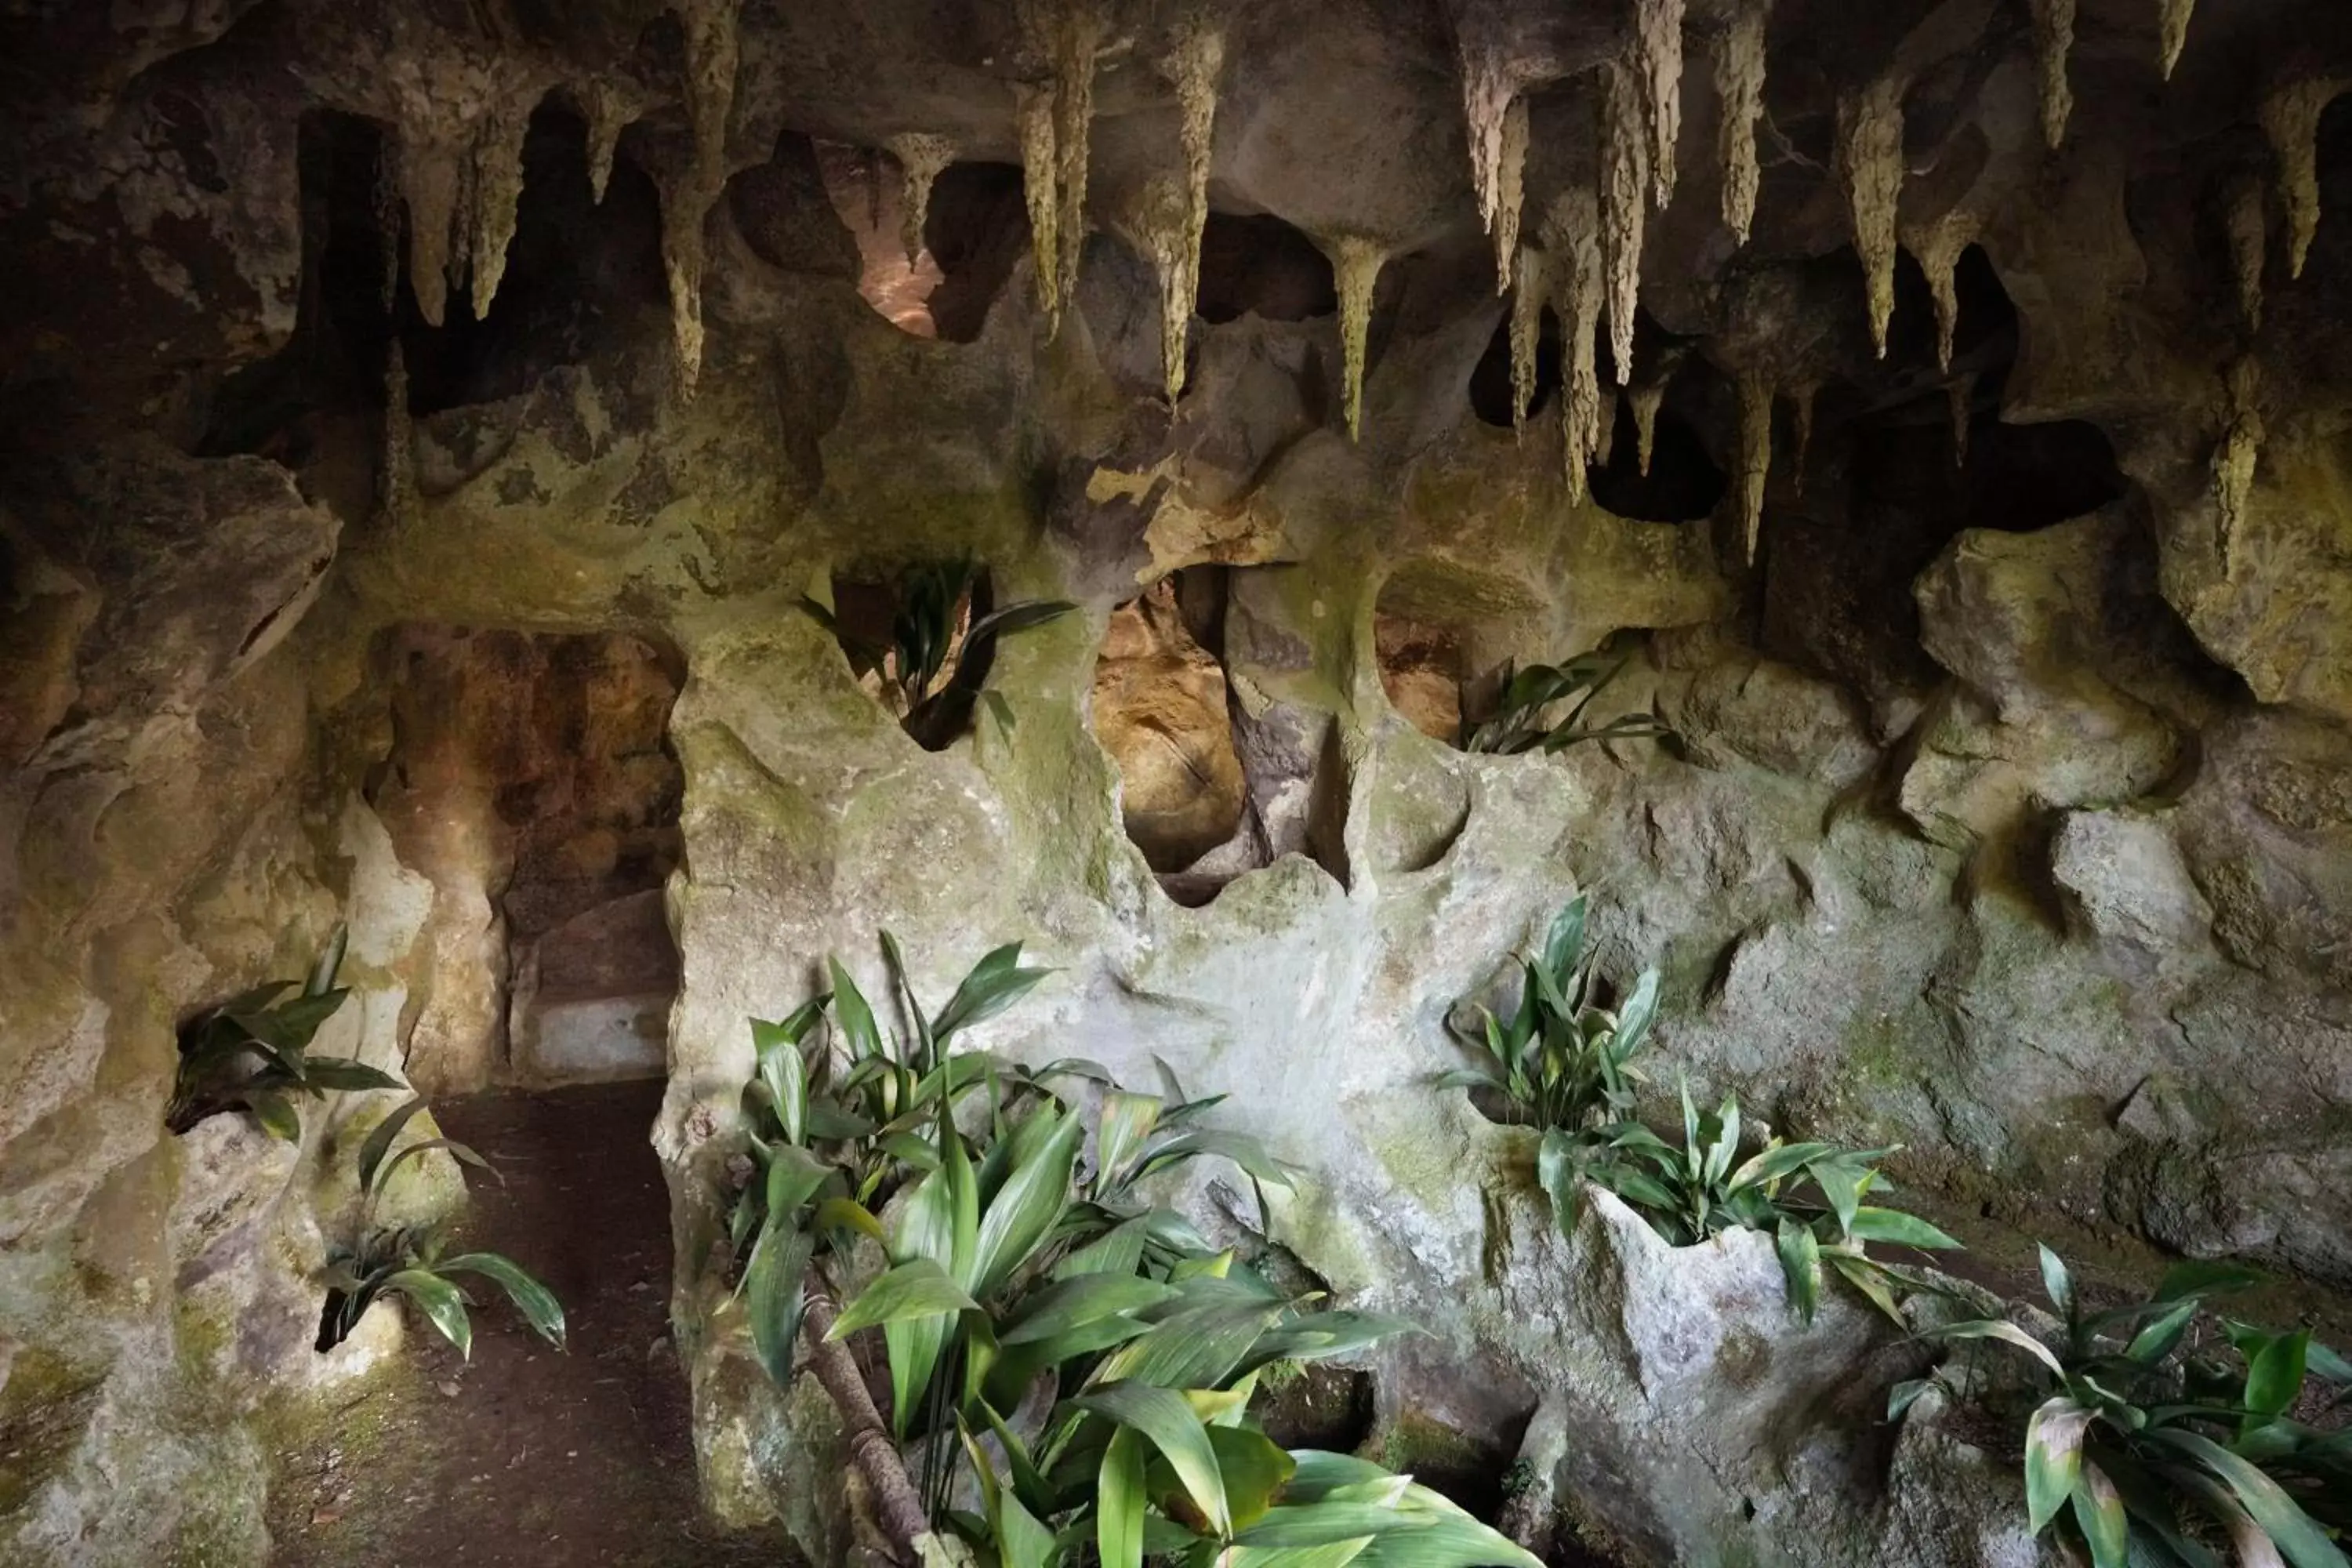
(1937, 246)
(1486, 98)
(1625, 171)
(1511, 191)
(1739, 93)
(396, 484)
(1804, 393)
(2249, 226)
(1154, 220)
(1658, 55)
(1870, 160)
(2290, 117)
(1035, 111)
(608, 111)
(497, 191)
(921, 158)
(2235, 458)
(2172, 30)
(1571, 247)
(1526, 332)
(1647, 396)
(2053, 40)
(431, 163)
(1356, 261)
(1194, 63)
(1755, 456)
(1960, 393)
(1077, 38)
(711, 54)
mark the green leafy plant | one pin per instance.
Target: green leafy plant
(411, 1260)
(1520, 720)
(252, 1053)
(1807, 1196)
(1070, 1364)
(1560, 1060)
(2147, 1434)
(943, 636)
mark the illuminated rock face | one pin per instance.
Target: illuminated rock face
(2001, 610)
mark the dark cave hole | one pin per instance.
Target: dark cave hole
(1259, 266)
(866, 621)
(1683, 485)
(977, 230)
(537, 767)
(1490, 381)
(1208, 790)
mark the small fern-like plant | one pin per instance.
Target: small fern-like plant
(413, 1261)
(252, 1053)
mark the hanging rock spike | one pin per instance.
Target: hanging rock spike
(608, 113)
(1078, 39)
(1511, 191)
(1870, 160)
(1155, 221)
(2172, 32)
(1572, 243)
(711, 55)
(1356, 261)
(1648, 395)
(1625, 171)
(430, 165)
(2234, 459)
(1034, 107)
(1755, 456)
(1739, 93)
(2249, 225)
(921, 158)
(1527, 331)
(1486, 96)
(1194, 63)
(498, 192)
(1658, 56)
(1937, 246)
(2290, 117)
(2053, 40)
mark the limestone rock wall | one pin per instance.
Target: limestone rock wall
(2005, 818)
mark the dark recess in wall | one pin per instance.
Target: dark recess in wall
(1260, 266)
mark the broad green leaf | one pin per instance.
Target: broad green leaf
(1164, 1416)
(277, 1115)
(1081, 1300)
(534, 1301)
(994, 983)
(1870, 1280)
(855, 1016)
(1255, 1470)
(1118, 1501)
(1197, 1348)
(785, 1075)
(1902, 1229)
(2297, 1534)
(424, 1146)
(775, 1287)
(1776, 1162)
(1240, 1148)
(2274, 1377)
(2158, 1339)
(1640, 1010)
(1021, 1539)
(1118, 1250)
(443, 1303)
(1564, 944)
(846, 1214)
(920, 1288)
(1126, 1121)
(346, 1075)
(1025, 1212)
(794, 1176)
(2060, 1287)
(1800, 1263)
(2053, 1458)
(1998, 1329)
(1905, 1395)
(331, 959)
(2099, 1511)
(2205, 1277)
(380, 1140)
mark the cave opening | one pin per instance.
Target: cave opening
(975, 232)
(1490, 381)
(1256, 264)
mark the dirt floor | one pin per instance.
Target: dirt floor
(528, 1458)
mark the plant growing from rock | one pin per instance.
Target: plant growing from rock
(252, 1053)
(1807, 1196)
(1560, 1060)
(409, 1260)
(941, 642)
(1521, 721)
(1071, 1365)
(2146, 1431)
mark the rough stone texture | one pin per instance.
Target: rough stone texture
(2007, 818)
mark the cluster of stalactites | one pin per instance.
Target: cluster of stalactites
(1870, 161)
(1937, 246)
(1056, 132)
(1624, 175)
(1355, 262)
(459, 173)
(2234, 459)
(1739, 95)
(1658, 71)
(922, 157)
(1754, 457)
(1571, 248)
(711, 61)
(2053, 40)
(1196, 59)
(2290, 116)
(1489, 103)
